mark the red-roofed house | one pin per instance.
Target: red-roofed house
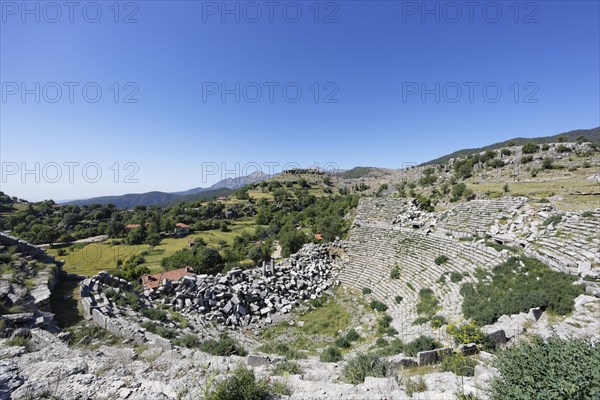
(181, 229)
(130, 227)
(318, 236)
(152, 281)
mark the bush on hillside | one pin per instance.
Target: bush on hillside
(243, 385)
(224, 346)
(459, 364)
(330, 354)
(552, 370)
(530, 148)
(364, 365)
(428, 303)
(422, 343)
(378, 306)
(517, 285)
(439, 260)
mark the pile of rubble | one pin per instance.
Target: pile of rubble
(241, 298)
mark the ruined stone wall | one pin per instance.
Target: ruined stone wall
(27, 248)
(29, 288)
(99, 309)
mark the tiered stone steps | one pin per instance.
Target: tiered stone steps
(375, 249)
(476, 216)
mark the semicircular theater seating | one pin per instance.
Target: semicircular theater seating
(376, 245)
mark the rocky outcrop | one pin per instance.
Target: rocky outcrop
(26, 285)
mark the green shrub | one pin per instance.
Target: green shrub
(352, 335)
(486, 343)
(439, 260)
(395, 273)
(225, 346)
(366, 291)
(87, 335)
(343, 342)
(428, 304)
(384, 327)
(495, 163)
(287, 367)
(241, 385)
(398, 299)
(167, 333)
(516, 288)
(389, 331)
(553, 220)
(547, 163)
(395, 346)
(530, 148)
(465, 333)
(437, 321)
(364, 365)
(19, 341)
(381, 342)
(526, 159)
(155, 314)
(190, 341)
(282, 349)
(378, 306)
(455, 277)
(318, 302)
(420, 321)
(458, 364)
(385, 321)
(411, 386)
(552, 370)
(422, 343)
(330, 354)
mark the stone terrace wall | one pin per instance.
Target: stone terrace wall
(99, 309)
(27, 248)
(33, 300)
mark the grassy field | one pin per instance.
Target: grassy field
(321, 325)
(89, 259)
(552, 183)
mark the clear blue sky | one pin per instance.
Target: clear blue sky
(375, 57)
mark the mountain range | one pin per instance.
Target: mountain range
(224, 187)
(227, 186)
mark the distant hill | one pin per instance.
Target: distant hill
(591, 134)
(228, 183)
(222, 188)
(129, 200)
(362, 172)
